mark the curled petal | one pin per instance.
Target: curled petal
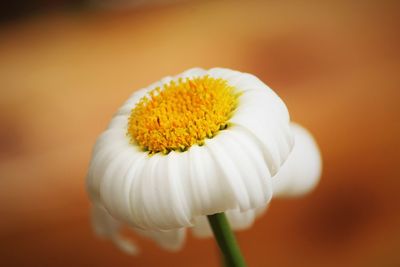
(107, 227)
(302, 170)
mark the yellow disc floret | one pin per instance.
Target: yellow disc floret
(181, 114)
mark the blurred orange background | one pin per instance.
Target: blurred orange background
(336, 64)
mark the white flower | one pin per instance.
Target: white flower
(299, 175)
(202, 142)
(302, 170)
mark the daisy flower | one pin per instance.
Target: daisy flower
(298, 176)
(200, 143)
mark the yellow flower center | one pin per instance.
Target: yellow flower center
(181, 114)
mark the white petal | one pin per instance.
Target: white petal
(201, 227)
(247, 164)
(110, 137)
(230, 173)
(172, 240)
(116, 183)
(107, 227)
(161, 201)
(178, 170)
(191, 73)
(206, 192)
(119, 122)
(226, 74)
(258, 170)
(103, 153)
(265, 118)
(132, 101)
(241, 81)
(302, 170)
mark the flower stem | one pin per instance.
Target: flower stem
(226, 240)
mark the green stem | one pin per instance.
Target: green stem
(226, 240)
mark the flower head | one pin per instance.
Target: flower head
(199, 143)
(298, 176)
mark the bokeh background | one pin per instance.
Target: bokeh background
(65, 67)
